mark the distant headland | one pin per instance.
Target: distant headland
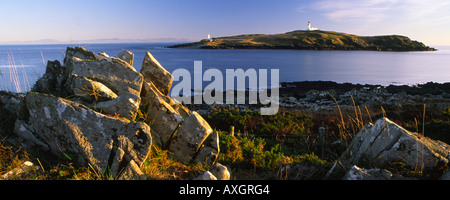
(312, 39)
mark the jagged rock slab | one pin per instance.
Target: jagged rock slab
(154, 72)
(66, 128)
(163, 119)
(118, 75)
(209, 151)
(52, 80)
(126, 56)
(190, 136)
(89, 90)
(385, 142)
(125, 105)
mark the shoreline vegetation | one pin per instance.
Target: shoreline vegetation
(311, 40)
(285, 146)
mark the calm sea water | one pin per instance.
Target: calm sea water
(294, 65)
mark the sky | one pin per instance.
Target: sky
(28, 21)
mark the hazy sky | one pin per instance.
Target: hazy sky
(77, 20)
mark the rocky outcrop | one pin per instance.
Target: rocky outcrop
(69, 129)
(385, 142)
(174, 126)
(87, 110)
(95, 80)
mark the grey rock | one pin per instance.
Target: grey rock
(189, 138)
(209, 151)
(10, 101)
(125, 105)
(150, 92)
(114, 74)
(132, 172)
(446, 175)
(104, 54)
(117, 75)
(126, 56)
(53, 79)
(154, 72)
(79, 52)
(356, 173)
(163, 119)
(207, 176)
(66, 128)
(220, 171)
(89, 90)
(385, 142)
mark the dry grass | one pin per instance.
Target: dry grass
(10, 158)
(160, 165)
(13, 75)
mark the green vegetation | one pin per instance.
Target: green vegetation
(261, 147)
(313, 40)
(252, 122)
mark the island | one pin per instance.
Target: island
(310, 40)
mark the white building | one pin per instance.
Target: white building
(209, 37)
(311, 28)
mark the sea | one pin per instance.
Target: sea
(22, 65)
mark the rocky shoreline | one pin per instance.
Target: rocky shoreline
(327, 95)
(318, 95)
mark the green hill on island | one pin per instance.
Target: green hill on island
(311, 40)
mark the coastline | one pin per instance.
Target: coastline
(318, 96)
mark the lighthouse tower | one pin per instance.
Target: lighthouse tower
(209, 38)
(311, 28)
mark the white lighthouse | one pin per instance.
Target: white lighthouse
(209, 38)
(311, 28)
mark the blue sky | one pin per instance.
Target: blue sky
(165, 20)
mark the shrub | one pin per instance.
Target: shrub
(248, 151)
(252, 122)
(230, 150)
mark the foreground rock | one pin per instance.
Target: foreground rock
(86, 110)
(385, 142)
(110, 83)
(190, 136)
(69, 129)
(356, 173)
(175, 127)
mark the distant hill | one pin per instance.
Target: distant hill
(311, 40)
